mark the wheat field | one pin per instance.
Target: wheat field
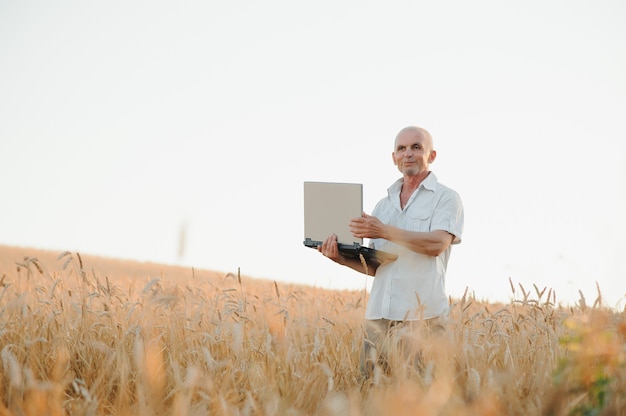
(83, 335)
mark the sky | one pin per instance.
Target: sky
(127, 127)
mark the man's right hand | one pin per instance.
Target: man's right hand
(330, 249)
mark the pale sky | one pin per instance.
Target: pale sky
(123, 122)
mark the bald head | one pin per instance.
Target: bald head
(416, 131)
(413, 152)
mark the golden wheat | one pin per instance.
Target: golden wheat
(83, 335)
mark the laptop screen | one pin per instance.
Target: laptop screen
(328, 209)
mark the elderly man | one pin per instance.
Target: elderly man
(419, 220)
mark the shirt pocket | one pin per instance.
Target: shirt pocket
(420, 220)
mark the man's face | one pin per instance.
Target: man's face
(413, 152)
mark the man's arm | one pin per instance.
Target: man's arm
(330, 249)
(431, 243)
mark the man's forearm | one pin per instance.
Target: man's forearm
(361, 267)
(431, 243)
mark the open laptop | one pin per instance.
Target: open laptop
(328, 209)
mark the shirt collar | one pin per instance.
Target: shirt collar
(430, 183)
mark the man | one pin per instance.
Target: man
(418, 220)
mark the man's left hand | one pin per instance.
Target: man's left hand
(367, 226)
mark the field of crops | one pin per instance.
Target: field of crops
(82, 335)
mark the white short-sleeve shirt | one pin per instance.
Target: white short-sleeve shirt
(413, 286)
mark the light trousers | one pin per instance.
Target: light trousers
(397, 344)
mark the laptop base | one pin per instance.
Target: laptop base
(355, 251)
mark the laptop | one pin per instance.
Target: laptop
(328, 209)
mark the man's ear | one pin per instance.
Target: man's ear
(393, 157)
(432, 156)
